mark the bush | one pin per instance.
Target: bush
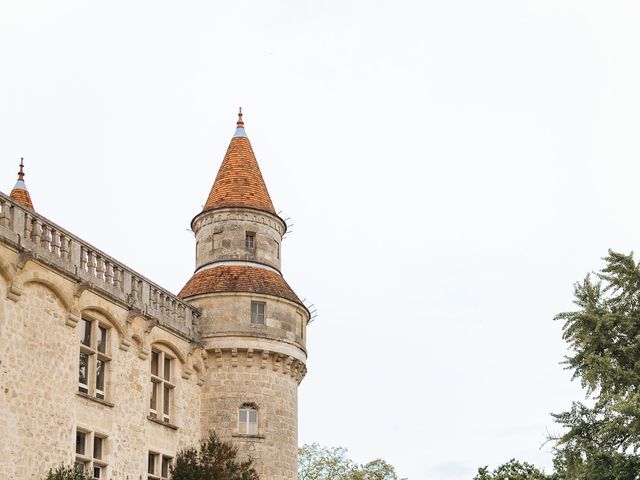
(213, 460)
(66, 473)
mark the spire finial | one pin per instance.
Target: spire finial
(21, 172)
(240, 122)
(20, 192)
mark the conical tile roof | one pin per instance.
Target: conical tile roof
(239, 182)
(238, 278)
(20, 193)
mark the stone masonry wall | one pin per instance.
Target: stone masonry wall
(221, 236)
(231, 313)
(233, 380)
(258, 364)
(40, 407)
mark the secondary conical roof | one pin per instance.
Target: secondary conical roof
(239, 182)
(20, 193)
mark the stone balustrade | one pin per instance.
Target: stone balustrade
(32, 233)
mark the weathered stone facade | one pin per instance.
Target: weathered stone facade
(216, 356)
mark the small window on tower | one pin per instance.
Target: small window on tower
(257, 313)
(250, 240)
(248, 419)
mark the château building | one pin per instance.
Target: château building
(102, 368)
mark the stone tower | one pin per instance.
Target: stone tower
(253, 325)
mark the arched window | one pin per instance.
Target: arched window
(248, 419)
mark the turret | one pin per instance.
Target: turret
(20, 192)
(238, 191)
(253, 324)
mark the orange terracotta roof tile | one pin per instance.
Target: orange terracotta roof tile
(20, 193)
(239, 278)
(239, 182)
(22, 196)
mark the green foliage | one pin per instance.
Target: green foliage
(331, 463)
(601, 441)
(375, 470)
(213, 460)
(512, 470)
(323, 463)
(64, 472)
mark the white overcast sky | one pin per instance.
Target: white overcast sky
(451, 168)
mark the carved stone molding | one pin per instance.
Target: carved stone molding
(14, 292)
(279, 362)
(124, 344)
(72, 320)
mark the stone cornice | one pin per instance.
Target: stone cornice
(239, 213)
(250, 337)
(259, 359)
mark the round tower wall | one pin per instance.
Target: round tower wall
(262, 381)
(238, 235)
(256, 365)
(230, 315)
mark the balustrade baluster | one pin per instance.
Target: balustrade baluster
(108, 274)
(180, 314)
(84, 259)
(55, 243)
(64, 246)
(134, 288)
(4, 213)
(91, 265)
(27, 226)
(36, 233)
(153, 299)
(117, 277)
(100, 267)
(45, 241)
